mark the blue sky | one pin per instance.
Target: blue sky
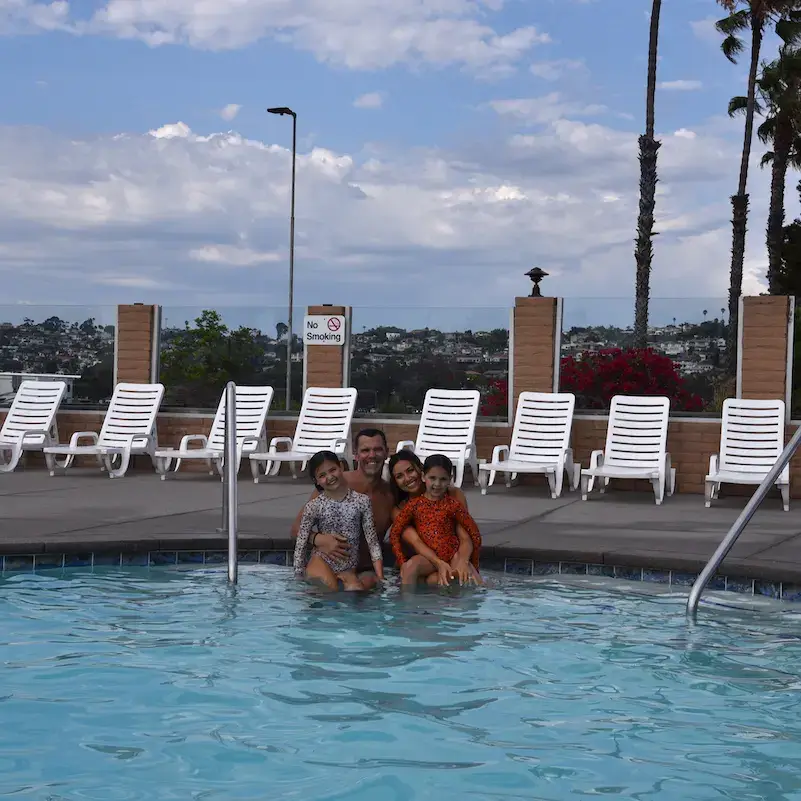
(445, 147)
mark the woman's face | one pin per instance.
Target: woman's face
(408, 477)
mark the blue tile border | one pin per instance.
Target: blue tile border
(517, 566)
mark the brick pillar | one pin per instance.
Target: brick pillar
(762, 363)
(326, 365)
(535, 338)
(136, 348)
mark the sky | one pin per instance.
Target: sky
(444, 148)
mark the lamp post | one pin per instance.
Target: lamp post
(281, 111)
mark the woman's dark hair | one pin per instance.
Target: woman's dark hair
(402, 456)
(438, 460)
(316, 461)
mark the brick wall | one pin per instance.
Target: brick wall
(134, 344)
(534, 342)
(764, 347)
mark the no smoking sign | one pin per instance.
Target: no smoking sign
(324, 329)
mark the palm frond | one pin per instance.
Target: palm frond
(738, 105)
(732, 47)
(735, 23)
(766, 159)
(766, 131)
(789, 31)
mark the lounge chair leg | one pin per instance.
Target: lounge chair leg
(554, 484)
(585, 486)
(785, 491)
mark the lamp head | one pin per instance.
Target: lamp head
(281, 110)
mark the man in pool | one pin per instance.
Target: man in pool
(370, 450)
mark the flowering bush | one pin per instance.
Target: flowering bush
(598, 375)
(496, 399)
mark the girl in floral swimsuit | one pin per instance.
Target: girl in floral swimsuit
(434, 515)
(338, 510)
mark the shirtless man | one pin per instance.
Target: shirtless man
(370, 449)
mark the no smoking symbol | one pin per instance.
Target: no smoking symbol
(334, 324)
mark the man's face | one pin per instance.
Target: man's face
(370, 455)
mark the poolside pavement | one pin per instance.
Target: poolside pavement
(85, 511)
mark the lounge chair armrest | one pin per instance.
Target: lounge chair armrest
(340, 446)
(201, 438)
(79, 435)
(250, 441)
(405, 445)
(276, 441)
(36, 432)
(714, 461)
(498, 451)
(596, 460)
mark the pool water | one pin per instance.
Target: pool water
(168, 684)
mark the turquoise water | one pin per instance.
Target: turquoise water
(166, 684)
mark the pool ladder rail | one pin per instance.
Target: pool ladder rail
(230, 500)
(740, 523)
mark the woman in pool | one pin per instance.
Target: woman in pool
(445, 540)
(337, 510)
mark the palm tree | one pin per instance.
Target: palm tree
(754, 15)
(779, 88)
(649, 147)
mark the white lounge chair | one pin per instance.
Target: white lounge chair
(252, 408)
(323, 425)
(30, 423)
(448, 426)
(540, 443)
(129, 429)
(636, 446)
(751, 440)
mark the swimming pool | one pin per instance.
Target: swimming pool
(168, 684)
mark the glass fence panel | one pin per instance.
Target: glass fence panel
(202, 349)
(399, 353)
(685, 357)
(70, 343)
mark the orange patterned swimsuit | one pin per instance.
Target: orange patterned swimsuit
(434, 522)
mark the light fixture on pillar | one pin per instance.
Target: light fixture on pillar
(536, 275)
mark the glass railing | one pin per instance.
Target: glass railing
(70, 343)
(398, 353)
(202, 349)
(685, 357)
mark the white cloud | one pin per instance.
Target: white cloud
(231, 255)
(174, 213)
(230, 111)
(358, 34)
(704, 29)
(545, 109)
(553, 70)
(680, 86)
(369, 100)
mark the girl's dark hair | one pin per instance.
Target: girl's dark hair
(316, 461)
(438, 460)
(402, 456)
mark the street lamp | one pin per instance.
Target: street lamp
(281, 111)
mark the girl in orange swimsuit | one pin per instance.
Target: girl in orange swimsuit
(434, 516)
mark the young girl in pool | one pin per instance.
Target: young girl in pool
(440, 544)
(337, 510)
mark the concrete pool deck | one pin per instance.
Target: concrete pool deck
(85, 512)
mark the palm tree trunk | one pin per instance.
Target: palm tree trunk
(739, 202)
(775, 233)
(643, 249)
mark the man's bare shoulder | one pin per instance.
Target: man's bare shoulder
(358, 482)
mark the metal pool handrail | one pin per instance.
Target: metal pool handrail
(741, 522)
(230, 463)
